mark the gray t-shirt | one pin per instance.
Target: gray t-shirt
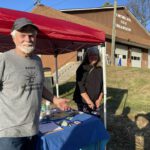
(21, 85)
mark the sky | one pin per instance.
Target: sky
(28, 5)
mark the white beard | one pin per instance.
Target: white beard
(26, 49)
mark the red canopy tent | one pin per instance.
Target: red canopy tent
(55, 36)
(54, 33)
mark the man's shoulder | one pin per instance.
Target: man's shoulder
(5, 55)
(7, 52)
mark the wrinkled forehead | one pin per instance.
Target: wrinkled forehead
(28, 29)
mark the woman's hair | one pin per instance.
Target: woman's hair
(89, 51)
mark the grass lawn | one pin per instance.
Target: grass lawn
(128, 97)
(126, 87)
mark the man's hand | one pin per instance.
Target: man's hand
(61, 103)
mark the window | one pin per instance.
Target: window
(124, 57)
(116, 56)
(135, 58)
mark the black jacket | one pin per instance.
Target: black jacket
(89, 79)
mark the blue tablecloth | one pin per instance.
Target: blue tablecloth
(91, 131)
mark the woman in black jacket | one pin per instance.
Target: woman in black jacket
(89, 82)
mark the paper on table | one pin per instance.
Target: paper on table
(49, 127)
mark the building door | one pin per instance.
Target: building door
(121, 54)
(136, 57)
(149, 58)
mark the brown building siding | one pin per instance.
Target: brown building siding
(129, 33)
(133, 24)
(108, 45)
(104, 17)
(144, 58)
(129, 57)
(95, 16)
(49, 60)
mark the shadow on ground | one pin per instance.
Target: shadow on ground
(126, 133)
(65, 88)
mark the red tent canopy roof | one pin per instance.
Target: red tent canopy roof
(54, 33)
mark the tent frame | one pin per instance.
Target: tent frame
(103, 51)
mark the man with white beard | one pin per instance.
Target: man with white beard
(22, 89)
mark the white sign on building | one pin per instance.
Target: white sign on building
(123, 23)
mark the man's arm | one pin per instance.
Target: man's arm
(61, 103)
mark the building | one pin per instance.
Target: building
(48, 60)
(132, 40)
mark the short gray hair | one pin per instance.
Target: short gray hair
(13, 33)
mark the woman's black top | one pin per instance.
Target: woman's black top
(89, 79)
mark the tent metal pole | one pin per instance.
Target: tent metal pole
(103, 48)
(56, 70)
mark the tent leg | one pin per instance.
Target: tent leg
(56, 69)
(104, 83)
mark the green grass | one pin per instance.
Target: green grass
(130, 87)
(128, 95)
(126, 87)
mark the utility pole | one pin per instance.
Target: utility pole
(113, 34)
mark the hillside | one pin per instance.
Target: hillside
(125, 87)
(128, 87)
(128, 107)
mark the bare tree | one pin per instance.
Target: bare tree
(141, 10)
